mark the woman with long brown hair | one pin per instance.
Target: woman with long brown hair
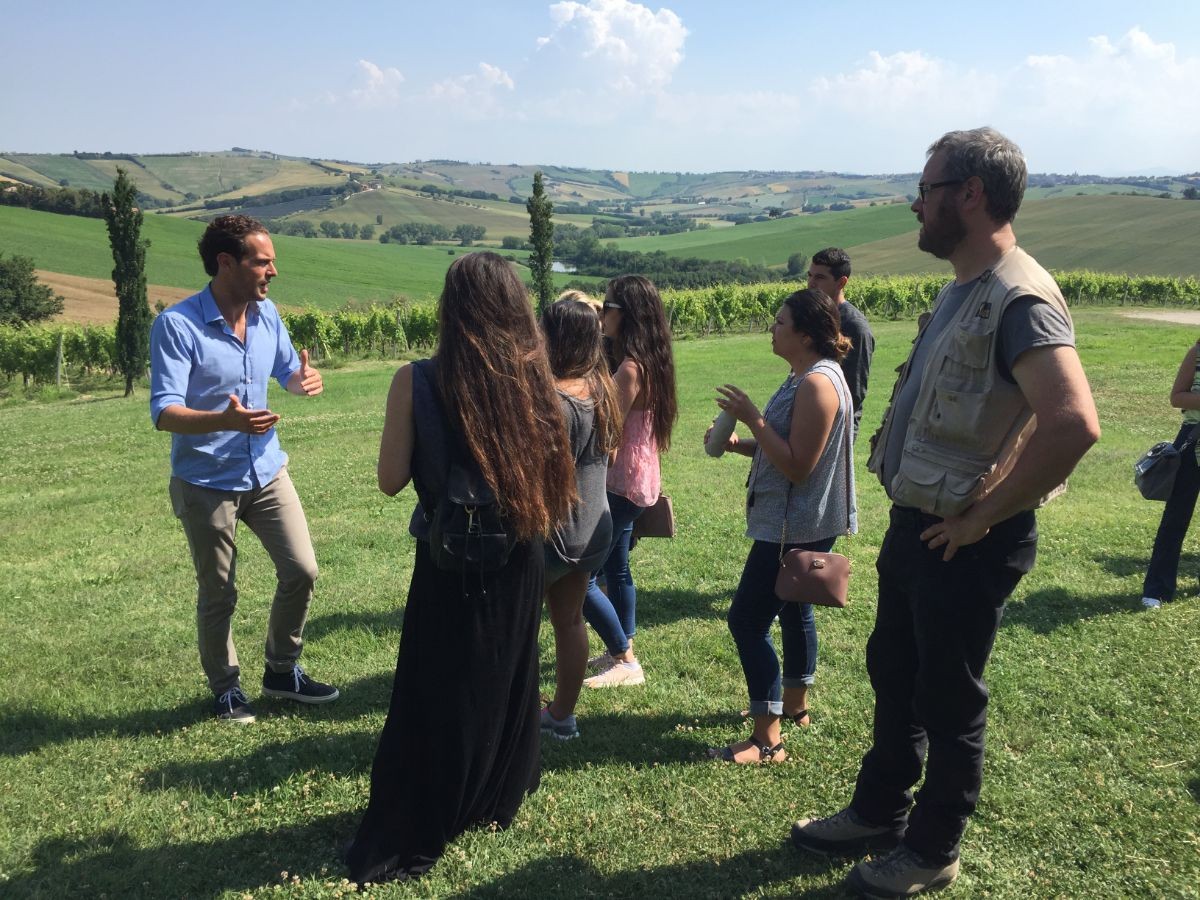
(636, 323)
(588, 399)
(460, 746)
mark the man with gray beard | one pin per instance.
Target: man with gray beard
(990, 414)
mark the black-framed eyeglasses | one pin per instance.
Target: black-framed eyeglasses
(923, 189)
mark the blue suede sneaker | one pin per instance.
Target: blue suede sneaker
(295, 685)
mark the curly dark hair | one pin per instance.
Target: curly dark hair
(227, 234)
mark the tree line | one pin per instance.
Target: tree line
(31, 351)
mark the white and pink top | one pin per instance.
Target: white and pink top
(635, 474)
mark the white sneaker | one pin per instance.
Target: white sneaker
(628, 673)
(1151, 603)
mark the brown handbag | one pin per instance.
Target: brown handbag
(806, 576)
(809, 576)
(657, 521)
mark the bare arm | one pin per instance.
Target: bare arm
(1182, 396)
(396, 445)
(1056, 388)
(179, 419)
(628, 378)
(813, 411)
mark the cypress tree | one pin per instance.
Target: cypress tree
(124, 222)
(541, 236)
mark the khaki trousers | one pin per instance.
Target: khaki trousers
(210, 519)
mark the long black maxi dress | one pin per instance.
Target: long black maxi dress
(461, 744)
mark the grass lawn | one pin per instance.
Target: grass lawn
(114, 781)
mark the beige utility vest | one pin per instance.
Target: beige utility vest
(968, 425)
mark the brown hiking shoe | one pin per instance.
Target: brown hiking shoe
(843, 834)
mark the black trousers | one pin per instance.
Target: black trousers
(934, 629)
(1163, 571)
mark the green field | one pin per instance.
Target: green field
(398, 206)
(1137, 235)
(208, 175)
(323, 274)
(78, 173)
(771, 243)
(116, 783)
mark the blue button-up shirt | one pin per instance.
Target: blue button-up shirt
(196, 361)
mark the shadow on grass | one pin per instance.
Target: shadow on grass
(1049, 609)
(25, 730)
(375, 622)
(1194, 788)
(641, 739)
(269, 765)
(110, 863)
(1135, 564)
(627, 738)
(659, 607)
(735, 876)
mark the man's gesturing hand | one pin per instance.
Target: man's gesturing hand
(248, 421)
(305, 380)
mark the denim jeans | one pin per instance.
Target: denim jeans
(935, 624)
(755, 606)
(613, 616)
(1162, 573)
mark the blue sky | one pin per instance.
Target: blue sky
(1097, 87)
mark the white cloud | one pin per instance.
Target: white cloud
(479, 87)
(620, 45)
(380, 86)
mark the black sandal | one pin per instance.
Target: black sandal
(794, 718)
(766, 753)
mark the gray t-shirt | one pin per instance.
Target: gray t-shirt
(587, 532)
(1028, 322)
(857, 364)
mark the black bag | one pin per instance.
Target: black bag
(1154, 472)
(457, 512)
(467, 532)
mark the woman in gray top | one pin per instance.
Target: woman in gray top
(579, 544)
(800, 494)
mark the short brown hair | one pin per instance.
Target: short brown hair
(227, 234)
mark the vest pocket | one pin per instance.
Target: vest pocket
(960, 418)
(929, 484)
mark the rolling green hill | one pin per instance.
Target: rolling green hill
(324, 274)
(1138, 235)
(771, 243)
(397, 206)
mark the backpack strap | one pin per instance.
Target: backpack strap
(431, 452)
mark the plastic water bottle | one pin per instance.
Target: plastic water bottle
(722, 428)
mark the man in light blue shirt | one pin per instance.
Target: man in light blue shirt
(211, 357)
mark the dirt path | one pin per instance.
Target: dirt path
(1178, 316)
(92, 301)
